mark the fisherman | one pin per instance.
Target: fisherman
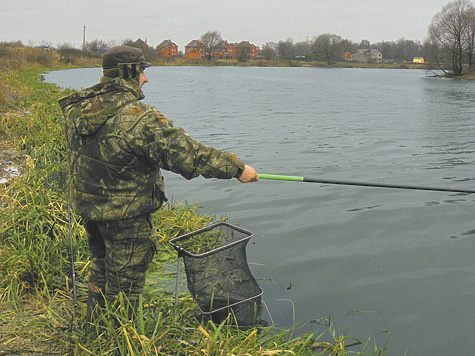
(117, 146)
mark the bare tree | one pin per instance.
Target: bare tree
(286, 49)
(364, 44)
(244, 52)
(68, 53)
(432, 53)
(129, 42)
(269, 50)
(471, 38)
(327, 46)
(301, 49)
(97, 46)
(348, 46)
(450, 31)
(210, 39)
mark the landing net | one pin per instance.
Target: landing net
(218, 276)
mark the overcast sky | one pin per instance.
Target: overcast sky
(54, 22)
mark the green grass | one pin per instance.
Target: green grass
(37, 313)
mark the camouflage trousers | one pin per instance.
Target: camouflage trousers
(121, 253)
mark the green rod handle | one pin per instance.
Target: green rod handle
(280, 177)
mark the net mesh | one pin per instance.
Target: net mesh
(218, 276)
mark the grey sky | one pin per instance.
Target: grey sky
(258, 21)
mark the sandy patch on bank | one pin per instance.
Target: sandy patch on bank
(10, 162)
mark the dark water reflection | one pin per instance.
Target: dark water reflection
(379, 260)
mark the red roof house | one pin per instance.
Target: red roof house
(167, 49)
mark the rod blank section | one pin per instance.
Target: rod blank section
(362, 184)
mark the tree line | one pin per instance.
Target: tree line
(450, 44)
(331, 48)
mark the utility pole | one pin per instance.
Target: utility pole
(84, 38)
(306, 50)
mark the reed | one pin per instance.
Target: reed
(35, 286)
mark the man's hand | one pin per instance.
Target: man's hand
(248, 175)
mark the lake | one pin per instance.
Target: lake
(387, 264)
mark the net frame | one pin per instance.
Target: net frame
(237, 238)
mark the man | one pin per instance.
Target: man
(116, 148)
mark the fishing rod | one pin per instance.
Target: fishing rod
(71, 251)
(61, 177)
(361, 184)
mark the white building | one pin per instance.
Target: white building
(368, 56)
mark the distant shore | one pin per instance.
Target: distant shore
(303, 63)
(283, 63)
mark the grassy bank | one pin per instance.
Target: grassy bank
(37, 313)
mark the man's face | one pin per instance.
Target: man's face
(143, 78)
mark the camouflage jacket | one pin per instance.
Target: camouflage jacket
(117, 145)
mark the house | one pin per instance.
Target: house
(222, 50)
(233, 50)
(167, 49)
(195, 50)
(348, 56)
(418, 60)
(368, 56)
(225, 50)
(142, 45)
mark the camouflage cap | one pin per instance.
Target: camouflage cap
(123, 54)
